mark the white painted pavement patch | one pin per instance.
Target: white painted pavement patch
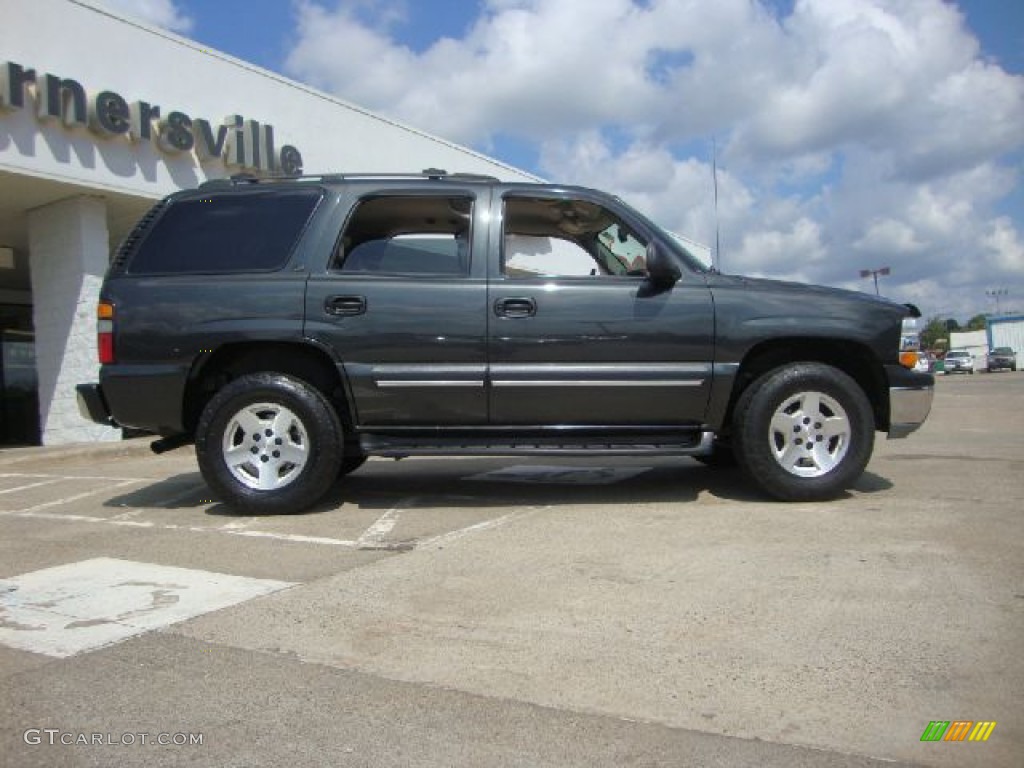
(68, 609)
(555, 475)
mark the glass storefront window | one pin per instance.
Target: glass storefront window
(19, 401)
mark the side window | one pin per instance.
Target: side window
(237, 232)
(533, 255)
(413, 234)
(568, 238)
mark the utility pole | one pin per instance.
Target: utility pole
(995, 293)
(875, 273)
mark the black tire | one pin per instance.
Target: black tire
(268, 443)
(792, 407)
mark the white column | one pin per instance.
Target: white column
(68, 256)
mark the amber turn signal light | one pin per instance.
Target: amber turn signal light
(908, 358)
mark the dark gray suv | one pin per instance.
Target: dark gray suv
(292, 328)
(1002, 358)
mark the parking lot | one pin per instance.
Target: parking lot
(533, 612)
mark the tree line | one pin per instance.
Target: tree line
(936, 333)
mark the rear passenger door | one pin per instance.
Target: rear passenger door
(402, 302)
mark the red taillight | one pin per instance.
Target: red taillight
(105, 332)
(105, 346)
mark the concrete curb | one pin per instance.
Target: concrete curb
(135, 447)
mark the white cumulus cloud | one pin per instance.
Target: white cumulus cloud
(851, 134)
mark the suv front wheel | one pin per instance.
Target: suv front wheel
(268, 443)
(804, 432)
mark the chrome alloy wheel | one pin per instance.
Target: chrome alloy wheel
(265, 446)
(809, 434)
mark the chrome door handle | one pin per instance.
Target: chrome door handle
(517, 306)
(345, 306)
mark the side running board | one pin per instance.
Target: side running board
(399, 446)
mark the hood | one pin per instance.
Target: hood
(784, 288)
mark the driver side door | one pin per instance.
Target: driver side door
(577, 333)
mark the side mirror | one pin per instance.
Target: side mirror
(662, 270)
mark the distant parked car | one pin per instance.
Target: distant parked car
(958, 361)
(1002, 357)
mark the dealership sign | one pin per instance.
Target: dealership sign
(236, 142)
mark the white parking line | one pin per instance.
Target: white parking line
(238, 525)
(374, 537)
(293, 537)
(450, 536)
(74, 477)
(229, 528)
(68, 499)
(31, 485)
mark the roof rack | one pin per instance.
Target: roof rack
(439, 173)
(434, 174)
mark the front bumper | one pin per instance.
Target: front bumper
(92, 405)
(910, 400)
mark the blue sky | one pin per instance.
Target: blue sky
(851, 133)
(268, 42)
(998, 24)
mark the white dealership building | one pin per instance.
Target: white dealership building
(99, 117)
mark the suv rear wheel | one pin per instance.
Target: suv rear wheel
(804, 432)
(268, 443)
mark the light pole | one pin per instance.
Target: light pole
(875, 273)
(995, 293)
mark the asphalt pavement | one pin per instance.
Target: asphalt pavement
(521, 611)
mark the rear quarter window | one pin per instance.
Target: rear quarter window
(247, 232)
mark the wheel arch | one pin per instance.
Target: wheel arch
(853, 358)
(300, 360)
